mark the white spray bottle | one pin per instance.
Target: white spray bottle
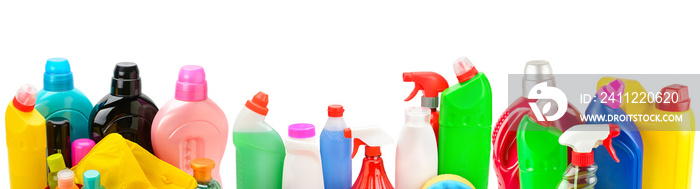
(582, 139)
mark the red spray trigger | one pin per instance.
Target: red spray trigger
(356, 143)
(430, 82)
(614, 132)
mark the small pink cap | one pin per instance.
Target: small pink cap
(614, 88)
(302, 130)
(81, 147)
(191, 84)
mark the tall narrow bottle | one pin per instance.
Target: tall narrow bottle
(25, 134)
(416, 150)
(465, 126)
(58, 138)
(125, 110)
(60, 99)
(260, 151)
(191, 125)
(335, 151)
(56, 164)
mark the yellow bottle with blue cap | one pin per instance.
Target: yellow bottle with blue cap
(25, 131)
(668, 145)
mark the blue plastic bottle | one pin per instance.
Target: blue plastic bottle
(335, 151)
(59, 98)
(629, 147)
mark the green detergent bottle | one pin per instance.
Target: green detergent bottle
(542, 160)
(465, 126)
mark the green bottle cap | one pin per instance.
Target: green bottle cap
(56, 162)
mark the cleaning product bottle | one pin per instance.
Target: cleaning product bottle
(25, 134)
(416, 150)
(191, 125)
(541, 159)
(259, 149)
(56, 164)
(465, 126)
(431, 84)
(302, 165)
(629, 146)
(81, 147)
(582, 139)
(125, 110)
(58, 138)
(66, 179)
(202, 168)
(372, 174)
(91, 179)
(668, 145)
(335, 151)
(59, 98)
(505, 148)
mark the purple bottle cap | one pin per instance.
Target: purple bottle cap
(614, 88)
(302, 130)
(81, 147)
(191, 84)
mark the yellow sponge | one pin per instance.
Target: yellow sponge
(447, 177)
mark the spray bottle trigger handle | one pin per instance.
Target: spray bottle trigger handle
(414, 92)
(614, 132)
(347, 133)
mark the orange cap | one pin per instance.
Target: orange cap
(258, 104)
(681, 104)
(335, 110)
(202, 169)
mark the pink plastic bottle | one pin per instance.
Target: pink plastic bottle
(81, 147)
(191, 125)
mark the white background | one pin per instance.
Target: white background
(309, 54)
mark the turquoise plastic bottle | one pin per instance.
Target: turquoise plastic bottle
(59, 98)
(465, 126)
(542, 160)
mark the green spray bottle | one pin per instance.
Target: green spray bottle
(542, 160)
(465, 126)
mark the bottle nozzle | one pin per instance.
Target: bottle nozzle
(614, 132)
(258, 104)
(371, 137)
(464, 69)
(430, 83)
(191, 84)
(202, 169)
(612, 91)
(25, 98)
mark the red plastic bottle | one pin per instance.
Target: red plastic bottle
(505, 152)
(372, 175)
(431, 84)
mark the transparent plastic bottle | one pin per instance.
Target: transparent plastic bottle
(577, 177)
(56, 164)
(66, 179)
(201, 170)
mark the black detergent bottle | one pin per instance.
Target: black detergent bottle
(125, 110)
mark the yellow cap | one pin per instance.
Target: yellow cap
(202, 169)
(56, 162)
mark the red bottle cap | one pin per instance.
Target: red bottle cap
(335, 110)
(258, 104)
(25, 98)
(683, 102)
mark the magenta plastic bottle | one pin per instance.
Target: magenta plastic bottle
(191, 125)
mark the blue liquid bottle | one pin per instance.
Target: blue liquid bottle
(335, 151)
(60, 99)
(629, 146)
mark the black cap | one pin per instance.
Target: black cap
(126, 80)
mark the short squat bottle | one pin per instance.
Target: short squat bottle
(125, 110)
(202, 173)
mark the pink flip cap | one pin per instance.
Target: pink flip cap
(302, 130)
(191, 84)
(614, 88)
(81, 147)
